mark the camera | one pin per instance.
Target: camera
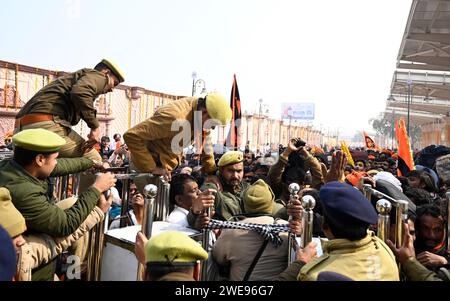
(300, 143)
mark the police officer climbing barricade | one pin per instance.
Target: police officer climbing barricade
(151, 141)
(62, 103)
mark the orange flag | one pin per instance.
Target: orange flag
(405, 159)
(370, 144)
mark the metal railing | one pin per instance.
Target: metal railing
(401, 213)
(150, 193)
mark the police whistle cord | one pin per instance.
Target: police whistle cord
(270, 232)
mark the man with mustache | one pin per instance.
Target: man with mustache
(229, 184)
(430, 243)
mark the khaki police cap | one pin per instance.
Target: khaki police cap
(38, 140)
(231, 157)
(218, 108)
(173, 247)
(258, 198)
(10, 218)
(114, 69)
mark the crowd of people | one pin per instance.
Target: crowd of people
(243, 199)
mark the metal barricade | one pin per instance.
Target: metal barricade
(383, 208)
(150, 192)
(162, 203)
(206, 235)
(95, 250)
(401, 215)
(6, 155)
(294, 188)
(65, 186)
(161, 210)
(308, 203)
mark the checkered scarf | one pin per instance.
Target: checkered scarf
(270, 232)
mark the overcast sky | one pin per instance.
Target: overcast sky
(340, 55)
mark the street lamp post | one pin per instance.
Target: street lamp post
(409, 83)
(289, 131)
(194, 76)
(393, 129)
(259, 121)
(197, 82)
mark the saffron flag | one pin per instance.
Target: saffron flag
(405, 159)
(234, 139)
(370, 144)
(346, 151)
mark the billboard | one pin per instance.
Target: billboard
(298, 111)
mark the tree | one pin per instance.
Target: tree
(386, 127)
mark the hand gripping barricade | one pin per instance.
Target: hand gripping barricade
(401, 214)
(294, 188)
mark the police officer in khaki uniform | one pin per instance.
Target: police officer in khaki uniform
(258, 206)
(155, 147)
(230, 187)
(352, 250)
(173, 256)
(64, 102)
(35, 159)
(36, 249)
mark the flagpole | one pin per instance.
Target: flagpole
(259, 121)
(233, 132)
(194, 76)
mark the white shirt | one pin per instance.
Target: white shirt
(115, 224)
(179, 216)
(116, 197)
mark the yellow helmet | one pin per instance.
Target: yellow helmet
(218, 108)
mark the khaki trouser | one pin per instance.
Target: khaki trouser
(80, 247)
(72, 148)
(74, 142)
